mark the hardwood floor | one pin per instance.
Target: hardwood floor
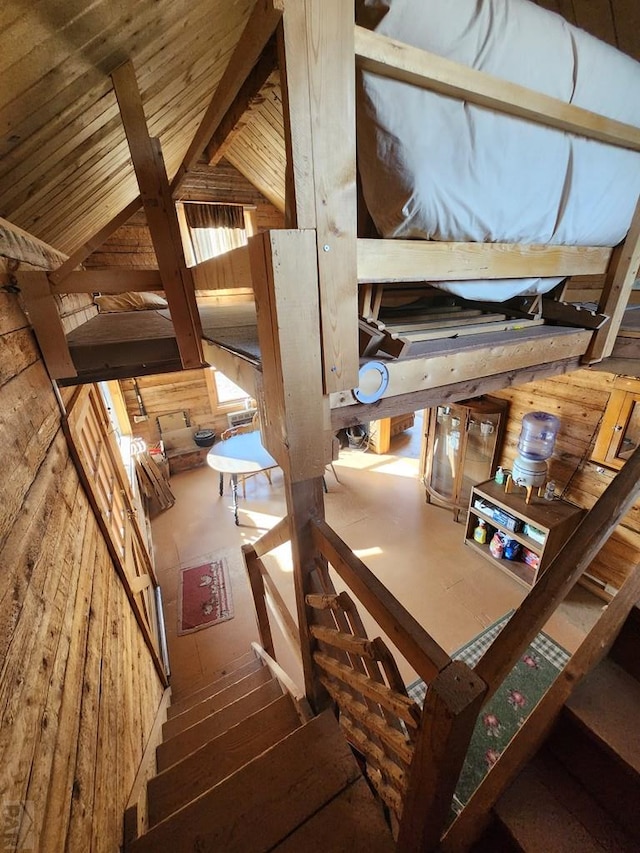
(378, 508)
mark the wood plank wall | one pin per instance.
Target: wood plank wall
(614, 21)
(131, 246)
(78, 690)
(172, 392)
(579, 400)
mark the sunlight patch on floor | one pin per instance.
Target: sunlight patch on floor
(398, 466)
(363, 553)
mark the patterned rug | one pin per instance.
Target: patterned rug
(507, 710)
(205, 595)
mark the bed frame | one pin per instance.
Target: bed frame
(314, 284)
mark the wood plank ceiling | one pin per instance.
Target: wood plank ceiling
(65, 169)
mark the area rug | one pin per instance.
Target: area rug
(507, 710)
(204, 595)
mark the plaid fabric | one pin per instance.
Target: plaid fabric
(475, 649)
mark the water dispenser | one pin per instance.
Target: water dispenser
(535, 445)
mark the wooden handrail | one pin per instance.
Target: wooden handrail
(477, 813)
(257, 589)
(303, 709)
(418, 647)
(278, 535)
(563, 573)
(266, 592)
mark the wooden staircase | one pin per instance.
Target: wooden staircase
(243, 766)
(581, 791)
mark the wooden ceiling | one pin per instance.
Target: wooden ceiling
(65, 169)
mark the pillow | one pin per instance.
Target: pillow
(113, 302)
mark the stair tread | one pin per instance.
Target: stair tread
(213, 703)
(173, 788)
(229, 676)
(547, 810)
(192, 738)
(351, 821)
(606, 702)
(266, 800)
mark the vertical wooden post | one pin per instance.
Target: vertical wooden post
(317, 63)
(296, 417)
(257, 588)
(305, 501)
(284, 272)
(451, 707)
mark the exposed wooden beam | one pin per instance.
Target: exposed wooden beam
(161, 217)
(41, 309)
(260, 28)
(16, 244)
(400, 404)
(416, 260)
(457, 360)
(619, 282)
(239, 112)
(116, 280)
(391, 58)
(317, 57)
(74, 260)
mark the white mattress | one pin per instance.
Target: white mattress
(437, 168)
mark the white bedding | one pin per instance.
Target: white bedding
(437, 168)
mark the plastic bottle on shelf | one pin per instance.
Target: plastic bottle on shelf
(499, 475)
(549, 491)
(538, 435)
(480, 533)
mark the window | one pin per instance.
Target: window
(619, 433)
(209, 230)
(227, 391)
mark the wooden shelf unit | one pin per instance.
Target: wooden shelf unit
(556, 519)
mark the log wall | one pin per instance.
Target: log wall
(579, 400)
(78, 689)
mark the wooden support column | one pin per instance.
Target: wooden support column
(451, 707)
(620, 278)
(316, 46)
(161, 217)
(295, 423)
(305, 502)
(43, 315)
(295, 414)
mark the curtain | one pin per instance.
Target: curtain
(214, 229)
